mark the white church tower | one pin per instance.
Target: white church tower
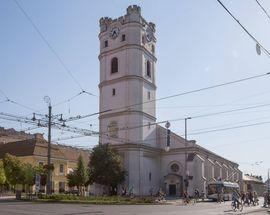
(128, 115)
(127, 86)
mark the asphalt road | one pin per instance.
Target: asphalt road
(209, 208)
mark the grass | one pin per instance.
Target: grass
(100, 200)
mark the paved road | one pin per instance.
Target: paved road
(28, 208)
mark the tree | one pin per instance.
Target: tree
(13, 170)
(2, 175)
(29, 173)
(72, 179)
(18, 172)
(106, 168)
(79, 177)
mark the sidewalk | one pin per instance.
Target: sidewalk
(2, 198)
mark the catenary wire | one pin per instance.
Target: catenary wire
(172, 96)
(244, 28)
(263, 9)
(51, 48)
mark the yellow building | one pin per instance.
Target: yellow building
(34, 151)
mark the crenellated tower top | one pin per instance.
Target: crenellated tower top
(133, 9)
(133, 14)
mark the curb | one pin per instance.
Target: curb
(254, 211)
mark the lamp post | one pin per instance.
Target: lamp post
(268, 183)
(49, 175)
(186, 174)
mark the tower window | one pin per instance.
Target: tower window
(123, 37)
(148, 68)
(114, 65)
(149, 125)
(106, 43)
(113, 91)
(153, 48)
(149, 95)
(150, 176)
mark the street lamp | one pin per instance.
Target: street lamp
(168, 144)
(268, 184)
(186, 171)
(49, 176)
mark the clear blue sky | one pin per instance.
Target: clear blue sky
(198, 45)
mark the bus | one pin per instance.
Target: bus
(214, 188)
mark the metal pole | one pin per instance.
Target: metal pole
(185, 155)
(185, 174)
(49, 179)
(268, 188)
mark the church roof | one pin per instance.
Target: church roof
(178, 142)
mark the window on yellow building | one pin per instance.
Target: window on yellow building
(61, 168)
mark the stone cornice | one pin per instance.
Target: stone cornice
(173, 151)
(125, 47)
(126, 77)
(126, 112)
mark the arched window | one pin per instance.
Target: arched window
(114, 65)
(148, 68)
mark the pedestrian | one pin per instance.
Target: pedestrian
(196, 195)
(202, 195)
(186, 197)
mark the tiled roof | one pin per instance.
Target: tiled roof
(17, 148)
(38, 147)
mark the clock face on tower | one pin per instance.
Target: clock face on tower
(114, 32)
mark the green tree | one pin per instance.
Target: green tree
(72, 179)
(2, 175)
(106, 167)
(79, 177)
(29, 173)
(13, 170)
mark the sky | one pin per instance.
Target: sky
(198, 45)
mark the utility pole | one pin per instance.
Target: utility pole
(268, 183)
(185, 174)
(49, 175)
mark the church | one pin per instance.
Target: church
(154, 157)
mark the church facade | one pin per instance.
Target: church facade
(128, 115)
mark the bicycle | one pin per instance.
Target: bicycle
(237, 206)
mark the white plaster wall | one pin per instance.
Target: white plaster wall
(166, 160)
(149, 132)
(150, 164)
(139, 164)
(124, 135)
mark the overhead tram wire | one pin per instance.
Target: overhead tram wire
(192, 117)
(205, 132)
(263, 9)
(229, 124)
(230, 128)
(74, 129)
(15, 102)
(85, 132)
(172, 96)
(60, 60)
(1, 91)
(244, 28)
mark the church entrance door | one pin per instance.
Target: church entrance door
(172, 190)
